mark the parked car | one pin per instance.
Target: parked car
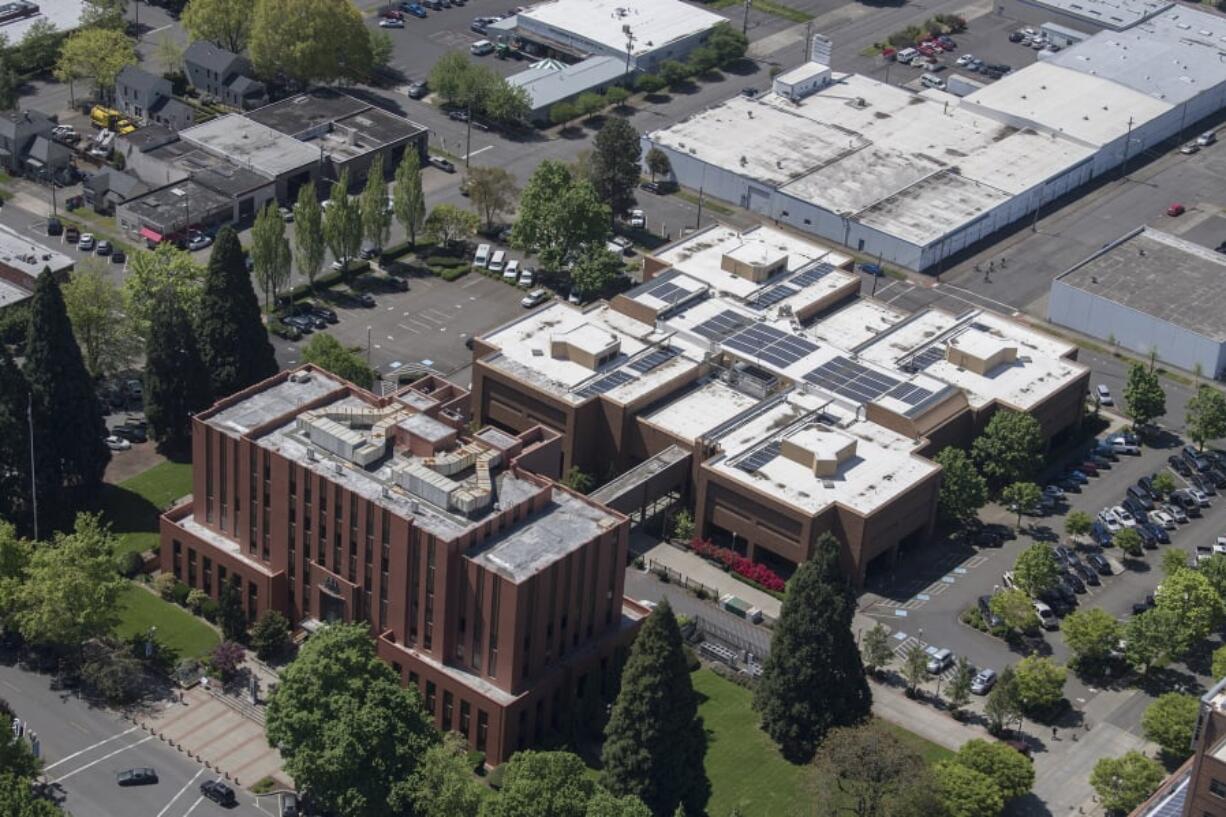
(1086, 574)
(1159, 532)
(1068, 485)
(1099, 563)
(417, 90)
(218, 792)
(1088, 468)
(1121, 445)
(1190, 148)
(1077, 476)
(442, 164)
(104, 248)
(1159, 516)
(54, 226)
(983, 682)
(1104, 395)
(620, 245)
(940, 661)
(87, 242)
(534, 298)
(1206, 139)
(1148, 540)
(136, 777)
(391, 22)
(526, 278)
(1201, 497)
(415, 9)
(198, 241)
(1109, 520)
(637, 218)
(1176, 512)
(116, 443)
(1184, 500)
(510, 274)
(324, 313)
(119, 257)
(660, 188)
(1047, 617)
(71, 235)
(1072, 581)
(1176, 209)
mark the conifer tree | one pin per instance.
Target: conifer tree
(234, 344)
(176, 382)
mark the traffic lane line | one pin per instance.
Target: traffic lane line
(93, 763)
(89, 748)
(186, 786)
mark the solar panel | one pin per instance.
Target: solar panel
(657, 357)
(604, 384)
(982, 327)
(759, 458)
(722, 325)
(774, 295)
(668, 292)
(910, 394)
(753, 340)
(849, 379)
(926, 358)
(812, 275)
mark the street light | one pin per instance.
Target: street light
(368, 346)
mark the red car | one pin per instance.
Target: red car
(926, 49)
(1088, 468)
(393, 14)
(1175, 210)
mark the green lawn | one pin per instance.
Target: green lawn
(133, 506)
(178, 629)
(743, 764)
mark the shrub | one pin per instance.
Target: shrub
(165, 584)
(475, 760)
(129, 564)
(730, 559)
(451, 274)
(227, 657)
(270, 635)
(180, 593)
(196, 599)
(209, 610)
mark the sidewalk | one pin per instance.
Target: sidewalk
(700, 570)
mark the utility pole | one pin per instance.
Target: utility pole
(808, 41)
(33, 480)
(1127, 147)
(698, 223)
(629, 45)
(468, 137)
(745, 22)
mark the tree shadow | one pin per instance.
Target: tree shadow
(571, 131)
(128, 511)
(1161, 680)
(1043, 533)
(657, 98)
(1137, 564)
(687, 87)
(744, 67)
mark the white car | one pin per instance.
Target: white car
(1203, 553)
(1126, 519)
(526, 278)
(391, 22)
(1046, 617)
(1162, 518)
(1175, 512)
(573, 297)
(965, 60)
(1104, 395)
(117, 443)
(199, 241)
(1053, 491)
(533, 298)
(1200, 496)
(511, 273)
(638, 218)
(86, 242)
(1109, 519)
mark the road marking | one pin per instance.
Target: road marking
(199, 800)
(166, 808)
(948, 579)
(1010, 308)
(478, 150)
(104, 757)
(89, 748)
(472, 283)
(423, 316)
(900, 613)
(923, 596)
(408, 329)
(11, 685)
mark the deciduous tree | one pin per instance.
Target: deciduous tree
(1192, 603)
(1205, 416)
(326, 352)
(871, 768)
(1078, 523)
(562, 113)
(443, 785)
(376, 216)
(542, 784)
(95, 305)
(1010, 448)
(595, 270)
(1015, 609)
(1151, 639)
(177, 385)
(1144, 399)
(1035, 570)
(327, 42)
(813, 679)
(966, 792)
(1123, 783)
(342, 222)
(408, 201)
(876, 649)
(1130, 542)
(559, 216)
(270, 635)
(493, 192)
(1169, 722)
(654, 741)
(914, 668)
(1021, 498)
(1163, 483)
(658, 163)
(729, 44)
(448, 75)
(309, 241)
(1040, 682)
(447, 223)
(166, 272)
(14, 444)
(343, 721)
(1219, 663)
(1009, 769)
(270, 253)
(963, 490)
(224, 23)
(98, 54)
(233, 343)
(959, 689)
(1091, 635)
(1002, 706)
(615, 164)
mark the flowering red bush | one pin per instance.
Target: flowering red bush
(738, 564)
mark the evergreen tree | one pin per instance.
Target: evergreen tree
(231, 617)
(14, 439)
(69, 434)
(654, 742)
(233, 342)
(615, 164)
(813, 679)
(176, 382)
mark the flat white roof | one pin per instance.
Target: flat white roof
(1113, 14)
(65, 15)
(252, 145)
(855, 324)
(652, 23)
(702, 410)
(1093, 109)
(28, 256)
(883, 467)
(800, 73)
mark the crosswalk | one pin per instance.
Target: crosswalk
(905, 643)
(916, 594)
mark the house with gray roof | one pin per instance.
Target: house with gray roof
(223, 74)
(26, 146)
(148, 97)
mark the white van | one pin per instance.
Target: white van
(906, 55)
(482, 258)
(511, 274)
(481, 47)
(932, 81)
(497, 261)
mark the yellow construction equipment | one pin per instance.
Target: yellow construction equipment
(110, 119)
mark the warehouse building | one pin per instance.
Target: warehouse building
(641, 34)
(549, 82)
(1149, 291)
(747, 376)
(1084, 15)
(914, 178)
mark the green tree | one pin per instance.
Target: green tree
(559, 216)
(1219, 662)
(674, 73)
(542, 784)
(730, 45)
(1015, 609)
(95, 305)
(408, 201)
(1123, 783)
(1150, 638)
(14, 445)
(616, 96)
(17, 798)
(563, 113)
(1010, 448)
(1144, 398)
(966, 792)
(449, 74)
(1035, 570)
(604, 804)
(98, 54)
(39, 47)
(658, 163)
(1009, 769)
(963, 491)
(376, 220)
(71, 587)
(871, 768)
(326, 352)
(1091, 635)
(270, 635)
(309, 241)
(959, 689)
(702, 60)
(9, 83)
(1078, 523)
(1040, 682)
(1205, 416)
(589, 103)
(615, 164)
(328, 41)
(169, 53)
(1021, 497)
(493, 192)
(1193, 604)
(1174, 560)
(166, 272)
(108, 14)
(443, 785)
(1163, 483)
(343, 721)
(1130, 542)
(176, 381)
(914, 668)
(1169, 722)
(1002, 706)
(447, 223)
(813, 679)
(508, 103)
(233, 342)
(342, 222)
(270, 253)
(15, 556)
(382, 48)
(65, 412)
(654, 741)
(230, 613)
(577, 480)
(876, 648)
(596, 270)
(649, 83)
(683, 525)
(1214, 571)
(224, 23)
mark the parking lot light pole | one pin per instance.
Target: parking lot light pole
(368, 346)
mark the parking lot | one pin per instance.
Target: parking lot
(423, 327)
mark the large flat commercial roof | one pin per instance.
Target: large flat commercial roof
(1171, 57)
(342, 125)
(1111, 14)
(1161, 275)
(20, 253)
(653, 24)
(705, 408)
(251, 144)
(548, 82)
(65, 15)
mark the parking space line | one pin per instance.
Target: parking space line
(199, 800)
(186, 785)
(104, 757)
(62, 761)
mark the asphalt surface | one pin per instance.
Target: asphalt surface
(84, 746)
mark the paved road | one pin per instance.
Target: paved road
(84, 746)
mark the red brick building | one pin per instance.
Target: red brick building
(492, 589)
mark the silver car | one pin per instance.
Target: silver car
(983, 681)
